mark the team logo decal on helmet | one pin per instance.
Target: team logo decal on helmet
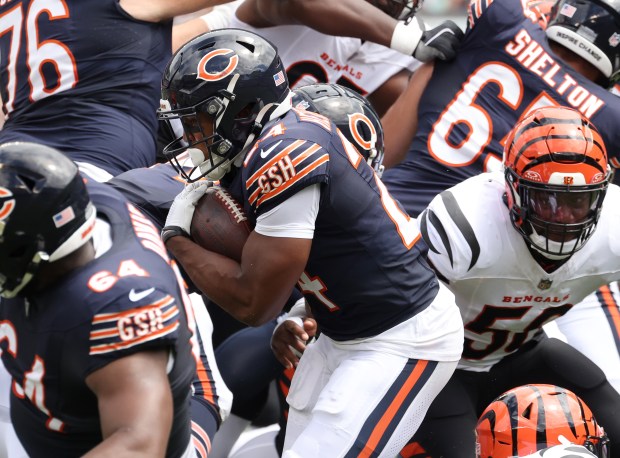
(354, 120)
(614, 40)
(354, 116)
(217, 72)
(8, 203)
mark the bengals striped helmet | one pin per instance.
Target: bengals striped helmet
(533, 417)
(556, 171)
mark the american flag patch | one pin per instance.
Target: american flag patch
(568, 10)
(64, 217)
(278, 78)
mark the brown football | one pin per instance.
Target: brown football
(219, 223)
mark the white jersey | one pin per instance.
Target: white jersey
(312, 57)
(504, 295)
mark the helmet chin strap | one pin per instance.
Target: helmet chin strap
(31, 270)
(269, 111)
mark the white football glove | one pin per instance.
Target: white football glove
(179, 217)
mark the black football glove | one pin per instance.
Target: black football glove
(441, 42)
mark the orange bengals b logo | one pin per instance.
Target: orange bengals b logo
(233, 60)
(8, 203)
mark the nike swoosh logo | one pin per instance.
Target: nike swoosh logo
(265, 153)
(135, 296)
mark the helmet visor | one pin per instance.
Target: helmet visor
(562, 215)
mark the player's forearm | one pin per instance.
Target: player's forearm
(184, 32)
(125, 442)
(346, 18)
(220, 278)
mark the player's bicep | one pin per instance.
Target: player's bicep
(135, 403)
(279, 247)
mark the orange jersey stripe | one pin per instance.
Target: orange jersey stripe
(612, 307)
(320, 161)
(100, 349)
(300, 158)
(205, 382)
(197, 430)
(289, 149)
(102, 317)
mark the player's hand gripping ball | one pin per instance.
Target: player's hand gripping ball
(219, 223)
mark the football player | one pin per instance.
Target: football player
(506, 67)
(152, 191)
(325, 222)
(245, 360)
(95, 330)
(250, 376)
(537, 420)
(84, 76)
(341, 42)
(518, 249)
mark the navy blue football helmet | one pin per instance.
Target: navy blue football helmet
(590, 29)
(232, 78)
(45, 212)
(352, 113)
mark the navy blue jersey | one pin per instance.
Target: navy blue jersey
(125, 301)
(365, 273)
(84, 77)
(503, 70)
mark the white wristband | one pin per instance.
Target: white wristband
(296, 314)
(298, 310)
(406, 36)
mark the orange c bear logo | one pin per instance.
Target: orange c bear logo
(8, 205)
(233, 60)
(356, 118)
